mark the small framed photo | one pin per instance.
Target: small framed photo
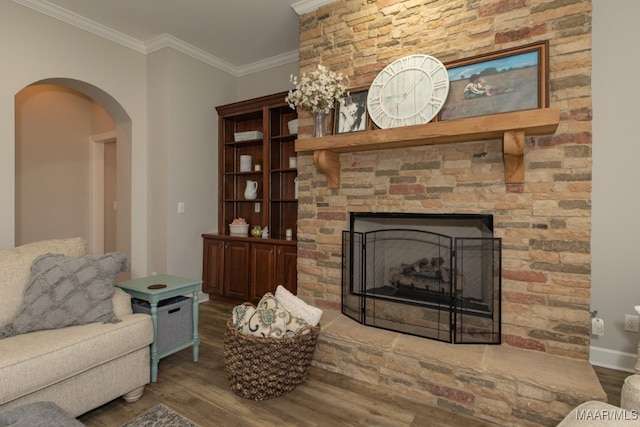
(499, 82)
(351, 112)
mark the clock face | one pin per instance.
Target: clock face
(409, 91)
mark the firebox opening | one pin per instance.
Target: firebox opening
(433, 275)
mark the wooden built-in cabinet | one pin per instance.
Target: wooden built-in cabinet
(272, 264)
(213, 265)
(238, 269)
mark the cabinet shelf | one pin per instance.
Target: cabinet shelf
(245, 142)
(244, 173)
(288, 136)
(238, 269)
(510, 127)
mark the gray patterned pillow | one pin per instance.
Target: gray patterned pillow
(65, 291)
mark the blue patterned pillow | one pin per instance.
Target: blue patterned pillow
(268, 319)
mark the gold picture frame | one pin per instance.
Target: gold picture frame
(503, 81)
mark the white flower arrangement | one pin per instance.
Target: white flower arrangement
(318, 91)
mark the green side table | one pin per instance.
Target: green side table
(149, 289)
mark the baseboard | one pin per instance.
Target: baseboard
(612, 359)
(203, 297)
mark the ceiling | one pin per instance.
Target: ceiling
(239, 36)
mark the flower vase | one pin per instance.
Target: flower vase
(321, 124)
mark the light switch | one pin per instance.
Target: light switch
(181, 207)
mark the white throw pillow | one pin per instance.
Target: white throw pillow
(297, 307)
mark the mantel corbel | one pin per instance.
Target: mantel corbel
(513, 156)
(328, 163)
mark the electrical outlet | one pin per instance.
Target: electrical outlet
(631, 323)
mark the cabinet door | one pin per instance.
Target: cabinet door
(212, 266)
(287, 267)
(236, 269)
(263, 270)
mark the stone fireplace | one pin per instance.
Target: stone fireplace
(540, 370)
(433, 276)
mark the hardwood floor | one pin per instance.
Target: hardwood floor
(200, 392)
(612, 381)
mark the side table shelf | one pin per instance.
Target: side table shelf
(174, 286)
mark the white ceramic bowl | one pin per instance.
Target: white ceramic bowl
(293, 126)
(241, 230)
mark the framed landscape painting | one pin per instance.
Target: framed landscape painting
(508, 80)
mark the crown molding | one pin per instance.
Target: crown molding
(306, 6)
(167, 40)
(157, 43)
(83, 23)
(265, 64)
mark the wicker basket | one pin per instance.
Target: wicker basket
(263, 368)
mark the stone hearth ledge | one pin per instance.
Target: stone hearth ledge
(492, 382)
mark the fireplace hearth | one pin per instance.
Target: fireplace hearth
(437, 276)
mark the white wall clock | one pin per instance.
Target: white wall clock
(409, 91)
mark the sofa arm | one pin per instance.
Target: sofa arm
(121, 303)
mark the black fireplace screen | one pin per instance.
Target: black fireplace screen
(434, 276)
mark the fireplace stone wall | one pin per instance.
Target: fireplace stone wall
(541, 369)
(544, 224)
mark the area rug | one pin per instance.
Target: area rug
(160, 416)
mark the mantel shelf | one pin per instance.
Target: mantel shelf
(510, 127)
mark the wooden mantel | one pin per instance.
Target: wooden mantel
(510, 127)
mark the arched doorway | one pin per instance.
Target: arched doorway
(60, 126)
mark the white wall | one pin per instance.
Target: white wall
(35, 47)
(166, 115)
(158, 86)
(183, 158)
(192, 167)
(615, 286)
(53, 125)
(266, 82)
